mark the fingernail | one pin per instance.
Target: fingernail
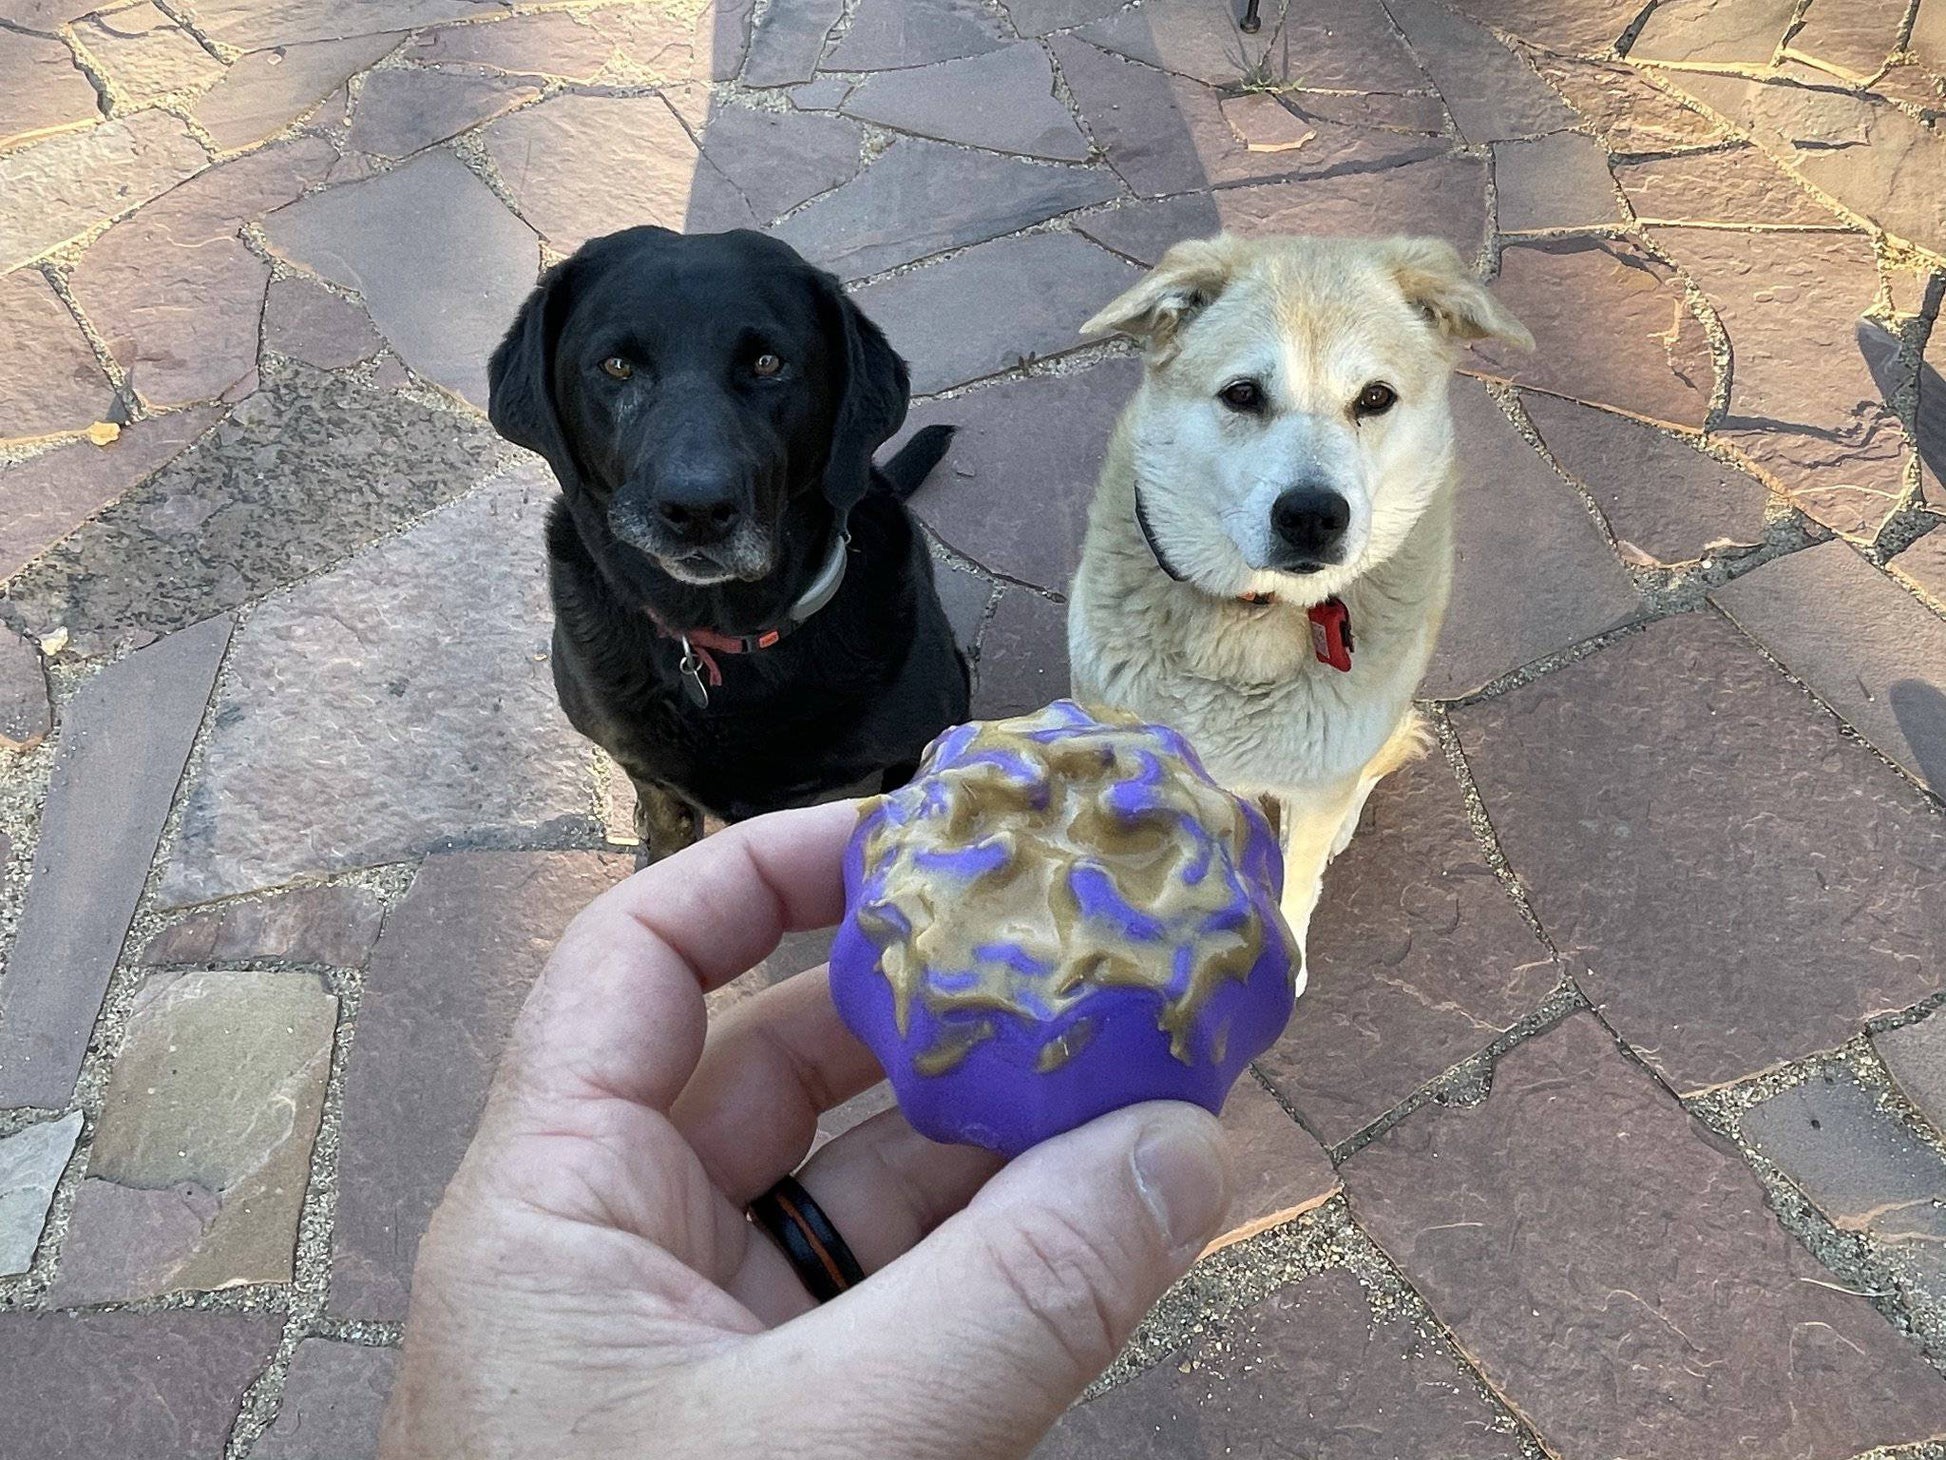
(1184, 1177)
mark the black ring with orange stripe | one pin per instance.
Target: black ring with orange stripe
(800, 1228)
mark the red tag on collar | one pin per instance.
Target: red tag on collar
(1331, 633)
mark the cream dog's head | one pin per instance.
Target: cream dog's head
(1292, 423)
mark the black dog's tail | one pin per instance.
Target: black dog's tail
(916, 458)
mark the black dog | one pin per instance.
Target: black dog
(745, 615)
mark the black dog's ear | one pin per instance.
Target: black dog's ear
(520, 377)
(871, 408)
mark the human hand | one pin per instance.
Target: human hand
(590, 1285)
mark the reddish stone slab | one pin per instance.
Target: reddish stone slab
(1611, 326)
(1023, 660)
(333, 1399)
(125, 738)
(47, 497)
(918, 198)
(1853, 40)
(308, 322)
(25, 714)
(1665, 501)
(1531, 574)
(1014, 488)
(42, 90)
(1625, 110)
(1558, 181)
(1804, 404)
(49, 380)
(1346, 46)
(1002, 100)
(1441, 196)
(252, 24)
(129, 1386)
(265, 91)
(1491, 95)
(995, 306)
(1916, 1056)
(789, 40)
(1311, 1370)
(329, 925)
(1278, 1168)
(1419, 960)
(1739, 883)
(1923, 565)
(447, 978)
(1590, 26)
(776, 160)
(1864, 645)
(60, 188)
(407, 108)
(1167, 134)
(965, 596)
(1740, 185)
(146, 54)
(440, 263)
(1620, 1278)
(884, 34)
(1698, 32)
(550, 43)
(668, 47)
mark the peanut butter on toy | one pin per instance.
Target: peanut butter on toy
(1060, 915)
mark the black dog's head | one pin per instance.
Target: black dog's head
(695, 388)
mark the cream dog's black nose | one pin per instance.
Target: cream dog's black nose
(1311, 522)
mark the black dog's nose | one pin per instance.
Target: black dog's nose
(1310, 521)
(700, 509)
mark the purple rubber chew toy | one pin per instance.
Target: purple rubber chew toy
(1061, 915)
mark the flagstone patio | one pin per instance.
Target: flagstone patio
(1611, 1123)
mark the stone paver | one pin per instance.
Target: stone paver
(146, 54)
(42, 90)
(1014, 488)
(1626, 110)
(449, 973)
(1023, 659)
(308, 322)
(1885, 672)
(1666, 501)
(777, 160)
(886, 34)
(1491, 95)
(25, 714)
(1741, 185)
(1924, 566)
(1313, 1366)
(1695, 32)
(31, 1161)
(403, 110)
(403, 700)
(49, 382)
(1621, 1280)
(1742, 885)
(1419, 959)
(1531, 574)
(61, 187)
(1916, 1055)
(1353, 49)
(265, 91)
(1652, 360)
(203, 1151)
(1558, 181)
(1279, 1168)
(333, 1400)
(124, 741)
(129, 1386)
(442, 266)
(1003, 100)
(549, 43)
(1860, 1166)
(995, 306)
(311, 925)
(919, 198)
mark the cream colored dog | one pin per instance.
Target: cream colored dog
(1269, 551)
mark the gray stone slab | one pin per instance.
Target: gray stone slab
(777, 160)
(1003, 101)
(1350, 47)
(334, 925)
(1916, 1055)
(1737, 882)
(125, 738)
(788, 41)
(398, 703)
(1557, 181)
(333, 1400)
(265, 91)
(1868, 648)
(25, 714)
(441, 264)
(31, 1162)
(405, 109)
(995, 306)
(885, 34)
(451, 969)
(919, 198)
(1492, 96)
(1023, 662)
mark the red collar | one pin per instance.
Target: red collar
(1330, 620)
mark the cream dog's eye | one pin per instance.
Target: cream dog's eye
(1242, 395)
(1375, 400)
(616, 366)
(767, 365)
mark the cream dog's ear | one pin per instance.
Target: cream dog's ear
(1187, 279)
(1433, 277)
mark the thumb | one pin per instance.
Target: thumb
(973, 1343)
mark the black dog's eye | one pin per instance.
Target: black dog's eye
(1375, 400)
(1242, 395)
(766, 365)
(616, 366)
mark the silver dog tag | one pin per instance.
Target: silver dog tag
(691, 669)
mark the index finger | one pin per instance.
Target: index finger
(618, 1011)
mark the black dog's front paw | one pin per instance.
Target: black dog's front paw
(664, 823)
